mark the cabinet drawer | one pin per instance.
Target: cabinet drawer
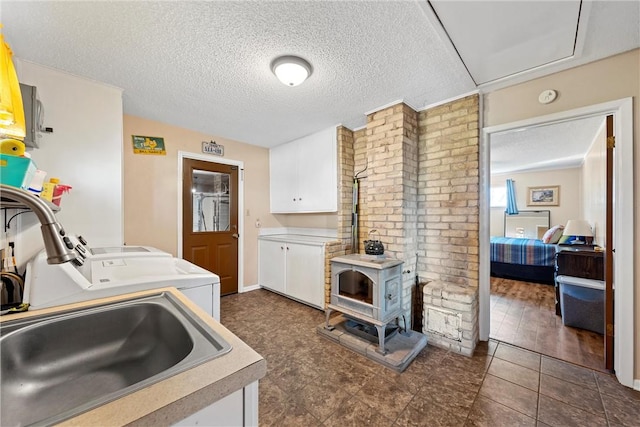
(588, 265)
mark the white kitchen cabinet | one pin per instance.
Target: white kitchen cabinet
(272, 264)
(293, 266)
(240, 408)
(283, 165)
(304, 174)
(305, 273)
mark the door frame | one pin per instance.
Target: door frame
(622, 110)
(213, 159)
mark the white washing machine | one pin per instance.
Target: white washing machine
(108, 274)
(83, 249)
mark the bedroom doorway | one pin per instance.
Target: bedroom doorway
(525, 303)
(622, 270)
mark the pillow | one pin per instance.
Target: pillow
(564, 239)
(553, 234)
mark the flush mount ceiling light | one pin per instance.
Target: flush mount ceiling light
(291, 70)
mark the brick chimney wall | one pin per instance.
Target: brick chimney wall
(419, 191)
(342, 246)
(448, 224)
(388, 196)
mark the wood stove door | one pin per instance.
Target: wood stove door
(392, 295)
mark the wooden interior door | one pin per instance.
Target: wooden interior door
(609, 252)
(210, 219)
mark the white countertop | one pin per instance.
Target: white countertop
(173, 399)
(298, 238)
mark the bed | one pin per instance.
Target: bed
(521, 255)
(523, 259)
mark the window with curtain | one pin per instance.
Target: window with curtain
(498, 197)
(512, 208)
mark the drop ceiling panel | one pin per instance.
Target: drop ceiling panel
(498, 39)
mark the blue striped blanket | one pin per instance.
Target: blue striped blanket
(522, 251)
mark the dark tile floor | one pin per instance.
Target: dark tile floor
(312, 381)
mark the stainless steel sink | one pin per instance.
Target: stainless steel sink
(58, 366)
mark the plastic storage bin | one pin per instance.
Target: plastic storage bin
(582, 303)
(16, 171)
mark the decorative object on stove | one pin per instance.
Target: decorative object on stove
(373, 246)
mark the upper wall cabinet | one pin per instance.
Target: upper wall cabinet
(304, 174)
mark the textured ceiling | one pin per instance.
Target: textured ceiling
(558, 145)
(205, 65)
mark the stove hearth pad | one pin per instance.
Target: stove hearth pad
(401, 348)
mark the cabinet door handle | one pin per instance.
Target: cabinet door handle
(294, 199)
(287, 247)
(235, 235)
(281, 247)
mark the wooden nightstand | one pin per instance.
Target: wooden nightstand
(578, 262)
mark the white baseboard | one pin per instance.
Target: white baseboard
(636, 385)
(250, 288)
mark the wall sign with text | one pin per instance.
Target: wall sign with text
(212, 148)
(148, 145)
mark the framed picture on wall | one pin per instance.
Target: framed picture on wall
(543, 196)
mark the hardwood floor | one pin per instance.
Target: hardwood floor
(523, 314)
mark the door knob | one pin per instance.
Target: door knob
(235, 235)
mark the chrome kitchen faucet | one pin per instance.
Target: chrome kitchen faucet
(55, 245)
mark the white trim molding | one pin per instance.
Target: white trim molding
(625, 343)
(446, 101)
(215, 159)
(251, 288)
(390, 104)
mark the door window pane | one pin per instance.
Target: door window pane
(210, 201)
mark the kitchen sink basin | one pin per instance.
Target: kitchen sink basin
(54, 367)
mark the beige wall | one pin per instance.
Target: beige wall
(570, 206)
(151, 186)
(594, 182)
(308, 220)
(606, 80)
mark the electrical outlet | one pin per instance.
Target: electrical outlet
(258, 224)
(9, 262)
